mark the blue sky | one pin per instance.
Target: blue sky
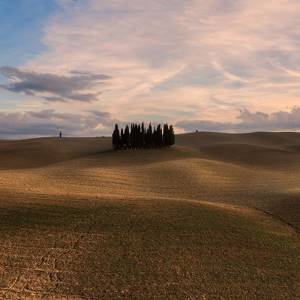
(82, 65)
(21, 29)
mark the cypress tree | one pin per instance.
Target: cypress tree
(154, 138)
(116, 138)
(131, 136)
(159, 136)
(143, 135)
(172, 136)
(139, 137)
(166, 135)
(135, 136)
(126, 137)
(122, 140)
(150, 136)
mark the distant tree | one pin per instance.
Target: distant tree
(166, 135)
(139, 137)
(148, 137)
(172, 136)
(143, 135)
(126, 137)
(159, 136)
(135, 136)
(116, 138)
(131, 136)
(154, 137)
(122, 139)
(151, 136)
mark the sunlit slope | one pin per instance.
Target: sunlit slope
(177, 173)
(260, 170)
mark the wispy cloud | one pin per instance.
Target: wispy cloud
(50, 122)
(53, 87)
(249, 121)
(174, 60)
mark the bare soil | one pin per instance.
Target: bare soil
(216, 217)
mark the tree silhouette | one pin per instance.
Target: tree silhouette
(126, 137)
(159, 137)
(122, 139)
(148, 137)
(171, 136)
(139, 137)
(143, 138)
(116, 137)
(166, 135)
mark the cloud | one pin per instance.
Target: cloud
(249, 121)
(237, 51)
(49, 122)
(167, 60)
(53, 87)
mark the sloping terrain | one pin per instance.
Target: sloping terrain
(215, 217)
(40, 152)
(266, 149)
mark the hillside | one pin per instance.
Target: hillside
(215, 217)
(256, 149)
(34, 153)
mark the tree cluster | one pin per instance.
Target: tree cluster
(138, 136)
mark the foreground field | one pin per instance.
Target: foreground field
(216, 217)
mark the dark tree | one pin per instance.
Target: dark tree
(135, 136)
(148, 137)
(131, 136)
(154, 137)
(166, 135)
(116, 138)
(122, 139)
(143, 133)
(159, 136)
(126, 137)
(139, 137)
(172, 136)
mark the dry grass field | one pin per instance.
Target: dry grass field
(215, 217)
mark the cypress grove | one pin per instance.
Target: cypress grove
(138, 136)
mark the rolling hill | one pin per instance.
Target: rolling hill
(215, 217)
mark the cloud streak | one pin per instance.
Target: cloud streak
(167, 60)
(49, 122)
(57, 87)
(249, 121)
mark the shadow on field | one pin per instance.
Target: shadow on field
(41, 152)
(145, 249)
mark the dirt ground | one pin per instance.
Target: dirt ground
(216, 217)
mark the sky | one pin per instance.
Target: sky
(80, 66)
